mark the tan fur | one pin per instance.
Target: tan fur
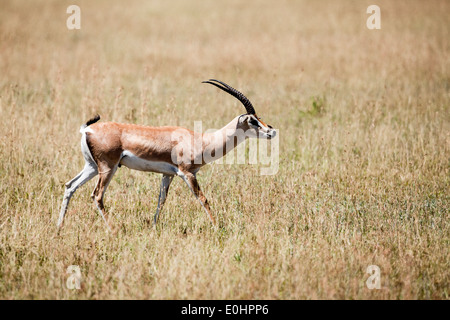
(166, 150)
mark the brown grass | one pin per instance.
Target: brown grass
(363, 117)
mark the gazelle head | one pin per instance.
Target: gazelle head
(250, 123)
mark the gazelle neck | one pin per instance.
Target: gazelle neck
(220, 142)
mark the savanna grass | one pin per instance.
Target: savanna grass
(363, 118)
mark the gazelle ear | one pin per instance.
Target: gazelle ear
(244, 118)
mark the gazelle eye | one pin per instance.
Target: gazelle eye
(253, 122)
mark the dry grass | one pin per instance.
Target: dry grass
(364, 149)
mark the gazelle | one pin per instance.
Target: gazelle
(167, 150)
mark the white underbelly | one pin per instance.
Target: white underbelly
(132, 161)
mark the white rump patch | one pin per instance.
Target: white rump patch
(86, 129)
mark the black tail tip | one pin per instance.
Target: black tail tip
(93, 120)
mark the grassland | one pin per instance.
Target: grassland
(363, 118)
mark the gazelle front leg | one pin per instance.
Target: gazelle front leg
(192, 183)
(164, 189)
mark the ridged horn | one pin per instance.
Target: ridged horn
(238, 95)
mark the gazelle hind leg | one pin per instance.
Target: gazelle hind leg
(105, 176)
(68, 184)
(89, 171)
(164, 189)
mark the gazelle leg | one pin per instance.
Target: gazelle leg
(89, 171)
(105, 176)
(69, 184)
(163, 190)
(192, 183)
